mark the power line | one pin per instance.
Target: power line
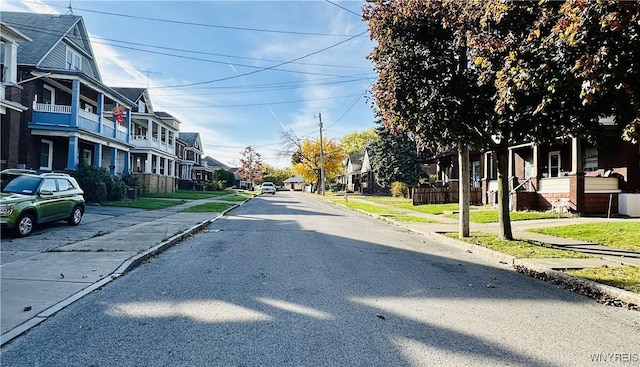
(264, 69)
(210, 25)
(94, 40)
(343, 8)
(261, 104)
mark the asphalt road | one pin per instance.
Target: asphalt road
(289, 280)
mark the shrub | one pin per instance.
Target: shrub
(216, 185)
(98, 184)
(399, 189)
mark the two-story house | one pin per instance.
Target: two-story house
(189, 168)
(153, 136)
(10, 94)
(72, 116)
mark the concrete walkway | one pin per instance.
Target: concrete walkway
(54, 267)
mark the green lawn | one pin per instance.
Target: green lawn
(208, 208)
(623, 235)
(517, 248)
(189, 194)
(624, 277)
(145, 203)
(491, 216)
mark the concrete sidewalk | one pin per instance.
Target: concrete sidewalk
(52, 268)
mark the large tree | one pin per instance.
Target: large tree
(525, 78)
(250, 165)
(395, 158)
(306, 161)
(357, 141)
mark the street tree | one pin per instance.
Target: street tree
(394, 158)
(357, 141)
(598, 42)
(250, 165)
(275, 175)
(306, 160)
(495, 73)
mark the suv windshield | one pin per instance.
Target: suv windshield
(23, 185)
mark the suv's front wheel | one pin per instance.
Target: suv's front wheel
(76, 216)
(25, 224)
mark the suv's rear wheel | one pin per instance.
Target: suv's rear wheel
(76, 216)
(25, 224)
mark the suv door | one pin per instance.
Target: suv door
(48, 201)
(67, 196)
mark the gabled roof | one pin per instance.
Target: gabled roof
(294, 179)
(214, 162)
(163, 114)
(134, 94)
(189, 138)
(46, 31)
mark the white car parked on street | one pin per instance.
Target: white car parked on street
(268, 188)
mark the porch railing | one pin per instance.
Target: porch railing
(47, 107)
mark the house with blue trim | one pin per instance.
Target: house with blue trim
(71, 115)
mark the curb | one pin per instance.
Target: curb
(602, 293)
(126, 266)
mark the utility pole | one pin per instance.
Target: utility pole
(321, 155)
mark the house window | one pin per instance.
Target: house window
(86, 156)
(74, 60)
(46, 154)
(590, 160)
(554, 164)
(475, 174)
(48, 95)
(142, 107)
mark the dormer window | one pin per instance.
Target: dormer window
(74, 60)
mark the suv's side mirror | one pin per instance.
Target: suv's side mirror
(46, 192)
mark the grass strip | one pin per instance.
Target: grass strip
(491, 216)
(517, 248)
(624, 277)
(145, 203)
(622, 235)
(208, 208)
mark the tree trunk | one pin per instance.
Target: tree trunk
(504, 220)
(463, 189)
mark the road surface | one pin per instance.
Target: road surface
(290, 280)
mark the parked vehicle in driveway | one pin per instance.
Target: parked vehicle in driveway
(268, 188)
(30, 199)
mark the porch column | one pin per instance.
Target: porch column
(115, 121)
(114, 159)
(166, 166)
(149, 130)
(535, 173)
(576, 157)
(157, 164)
(147, 165)
(72, 154)
(128, 125)
(510, 170)
(127, 161)
(75, 102)
(97, 154)
(100, 112)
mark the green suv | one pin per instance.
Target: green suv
(29, 199)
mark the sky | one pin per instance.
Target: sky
(237, 72)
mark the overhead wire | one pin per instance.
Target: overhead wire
(202, 24)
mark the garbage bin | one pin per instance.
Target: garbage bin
(132, 193)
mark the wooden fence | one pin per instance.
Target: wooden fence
(440, 195)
